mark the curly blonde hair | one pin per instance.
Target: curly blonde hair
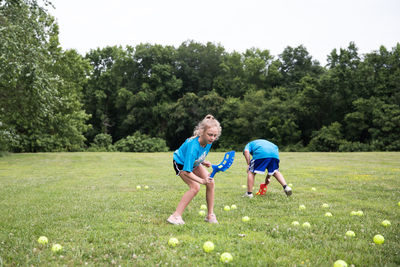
(208, 122)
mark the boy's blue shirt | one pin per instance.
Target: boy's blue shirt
(191, 154)
(261, 149)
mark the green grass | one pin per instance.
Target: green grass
(88, 203)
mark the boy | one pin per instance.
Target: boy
(265, 156)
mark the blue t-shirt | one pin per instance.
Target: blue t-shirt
(261, 149)
(191, 154)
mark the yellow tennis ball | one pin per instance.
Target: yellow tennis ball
(353, 213)
(360, 213)
(233, 207)
(328, 214)
(138, 187)
(226, 257)
(386, 223)
(173, 242)
(350, 233)
(42, 240)
(203, 207)
(295, 223)
(245, 219)
(302, 207)
(227, 208)
(306, 225)
(325, 205)
(202, 213)
(340, 263)
(56, 248)
(379, 239)
(208, 246)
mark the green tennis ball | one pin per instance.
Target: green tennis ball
(226, 257)
(233, 207)
(313, 189)
(208, 246)
(202, 213)
(360, 213)
(306, 225)
(227, 208)
(328, 214)
(56, 248)
(203, 207)
(350, 233)
(340, 263)
(379, 239)
(295, 223)
(245, 219)
(42, 240)
(173, 242)
(353, 213)
(138, 187)
(325, 205)
(386, 223)
(302, 207)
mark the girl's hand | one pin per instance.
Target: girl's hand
(207, 163)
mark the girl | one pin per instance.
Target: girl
(189, 161)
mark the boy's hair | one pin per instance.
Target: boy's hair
(208, 122)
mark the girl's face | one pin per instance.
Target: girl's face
(209, 135)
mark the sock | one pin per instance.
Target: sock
(249, 193)
(284, 186)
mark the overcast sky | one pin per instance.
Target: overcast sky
(319, 25)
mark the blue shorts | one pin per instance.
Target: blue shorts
(260, 165)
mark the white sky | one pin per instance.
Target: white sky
(319, 25)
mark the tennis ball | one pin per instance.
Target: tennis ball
(42, 240)
(398, 204)
(360, 213)
(302, 207)
(295, 223)
(208, 246)
(386, 223)
(306, 225)
(233, 207)
(226, 257)
(350, 233)
(328, 214)
(245, 186)
(245, 219)
(340, 263)
(146, 187)
(290, 185)
(325, 205)
(353, 213)
(173, 242)
(203, 207)
(202, 213)
(227, 208)
(138, 187)
(379, 239)
(56, 248)
(313, 189)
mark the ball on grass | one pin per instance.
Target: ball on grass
(245, 186)
(43, 240)
(350, 233)
(56, 248)
(226, 257)
(379, 239)
(340, 263)
(227, 208)
(138, 187)
(146, 187)
(328, 214)
(202, 213)
(325, 205)
(353, 213)
(360, 213)
(313, 189)
(302, 207)
(245, 219)
(295, 223)
(208, 246)
(173, 242)
(233, 207)
(386, 223)
(306, 225)
(203, 207)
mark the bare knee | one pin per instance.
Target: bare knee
(195, 188)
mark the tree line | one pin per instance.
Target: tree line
(149, 97)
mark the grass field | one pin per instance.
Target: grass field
(89, 204)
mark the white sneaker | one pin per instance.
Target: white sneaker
(212, 219)
(248, 196)
(176, 220)
(288, 190)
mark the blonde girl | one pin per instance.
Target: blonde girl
(189, 164)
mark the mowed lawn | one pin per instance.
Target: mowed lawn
(89, 203)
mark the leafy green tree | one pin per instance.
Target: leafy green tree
(39, 105)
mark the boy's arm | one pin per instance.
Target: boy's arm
(246, 154)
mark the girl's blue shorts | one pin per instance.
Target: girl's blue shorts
(260, 165)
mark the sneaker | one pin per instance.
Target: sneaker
(212, 219)
(176, 220)
(247, 195)
(288, 190)
(263, 189)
